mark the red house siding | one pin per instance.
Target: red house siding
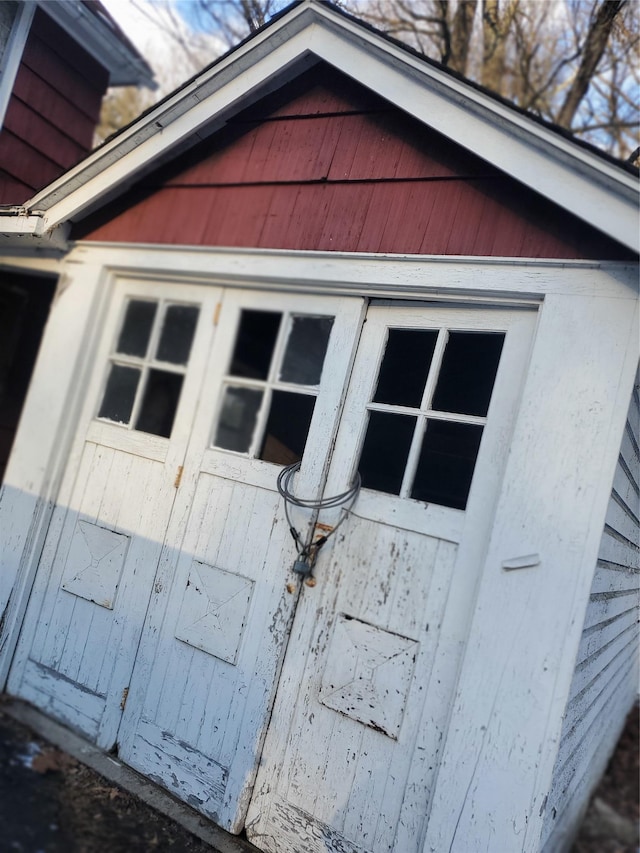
(330, 166)
(52, 113)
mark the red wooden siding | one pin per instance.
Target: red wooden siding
(52, 113)
(330, 166)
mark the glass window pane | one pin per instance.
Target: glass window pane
(177, 333)
(287, 427)
(446, 464)
(306, 349)
(159, 402)
(405, 366)
(255, 342)
(136, 328)
(237, 419)
(385, 451)
(468, 371)
(119, 394)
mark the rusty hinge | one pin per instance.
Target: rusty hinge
(125, 695)
(176, 482)
(216, 313)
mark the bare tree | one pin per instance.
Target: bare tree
(573, 62)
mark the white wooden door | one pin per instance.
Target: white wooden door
(84, 619)
(353, 745)
(221, 600)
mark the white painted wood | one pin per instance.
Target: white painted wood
(350, 757)
(41, 445)
(94, 563)
(605, 680)
(580, 181)
(464, 280)
(504, 726)
(87, 607)
(218, 621)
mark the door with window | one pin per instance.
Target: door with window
(352, 751)
(85, 614)
(165, 590)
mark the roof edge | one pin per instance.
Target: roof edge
(92, 25)
(463, 112)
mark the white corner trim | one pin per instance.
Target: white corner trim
(13, 53)
(578, 180)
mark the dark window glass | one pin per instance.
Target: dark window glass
(287, 427)
(136, 328)
(177, 333)
(159, 402)
(255, 342)
(446, 464)
(119, 394)
(306, 349)
(405, 366)
(468, 371)
(385, 451)
(237, 419)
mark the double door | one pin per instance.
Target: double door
(166, 619)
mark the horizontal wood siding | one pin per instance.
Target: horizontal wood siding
(330, 166)
(52, 112)
(605, 681)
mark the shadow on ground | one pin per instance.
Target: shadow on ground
(51, 803)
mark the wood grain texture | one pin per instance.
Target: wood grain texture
(52, 112)
(606, 675)
(330, 166)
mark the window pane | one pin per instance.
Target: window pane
(385, 451)
(405, 365)
(159, 402)
(446, 464)
(255, 342)
(136, 328)
(119, 394)
(177, 333)
(287, 427)
(306, 349)
(468, 372)
(237, 420)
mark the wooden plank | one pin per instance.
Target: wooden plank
(69, 48)
(597, 690)
(13, 191)
(619, 550)
(29, 126)
(601, 658)
(607, 608)
(51, 105)
(605, 632)
(569, 793)
(27, 164)
(84, 90)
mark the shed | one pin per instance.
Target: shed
(327, 250)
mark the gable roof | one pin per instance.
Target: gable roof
(575, 177)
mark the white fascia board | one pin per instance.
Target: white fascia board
(126, 67)
(576, 179)
(21, 230)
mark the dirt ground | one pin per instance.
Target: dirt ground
(51, 803)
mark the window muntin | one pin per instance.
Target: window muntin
(424, 429)
(148, 364)
(269, 392)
